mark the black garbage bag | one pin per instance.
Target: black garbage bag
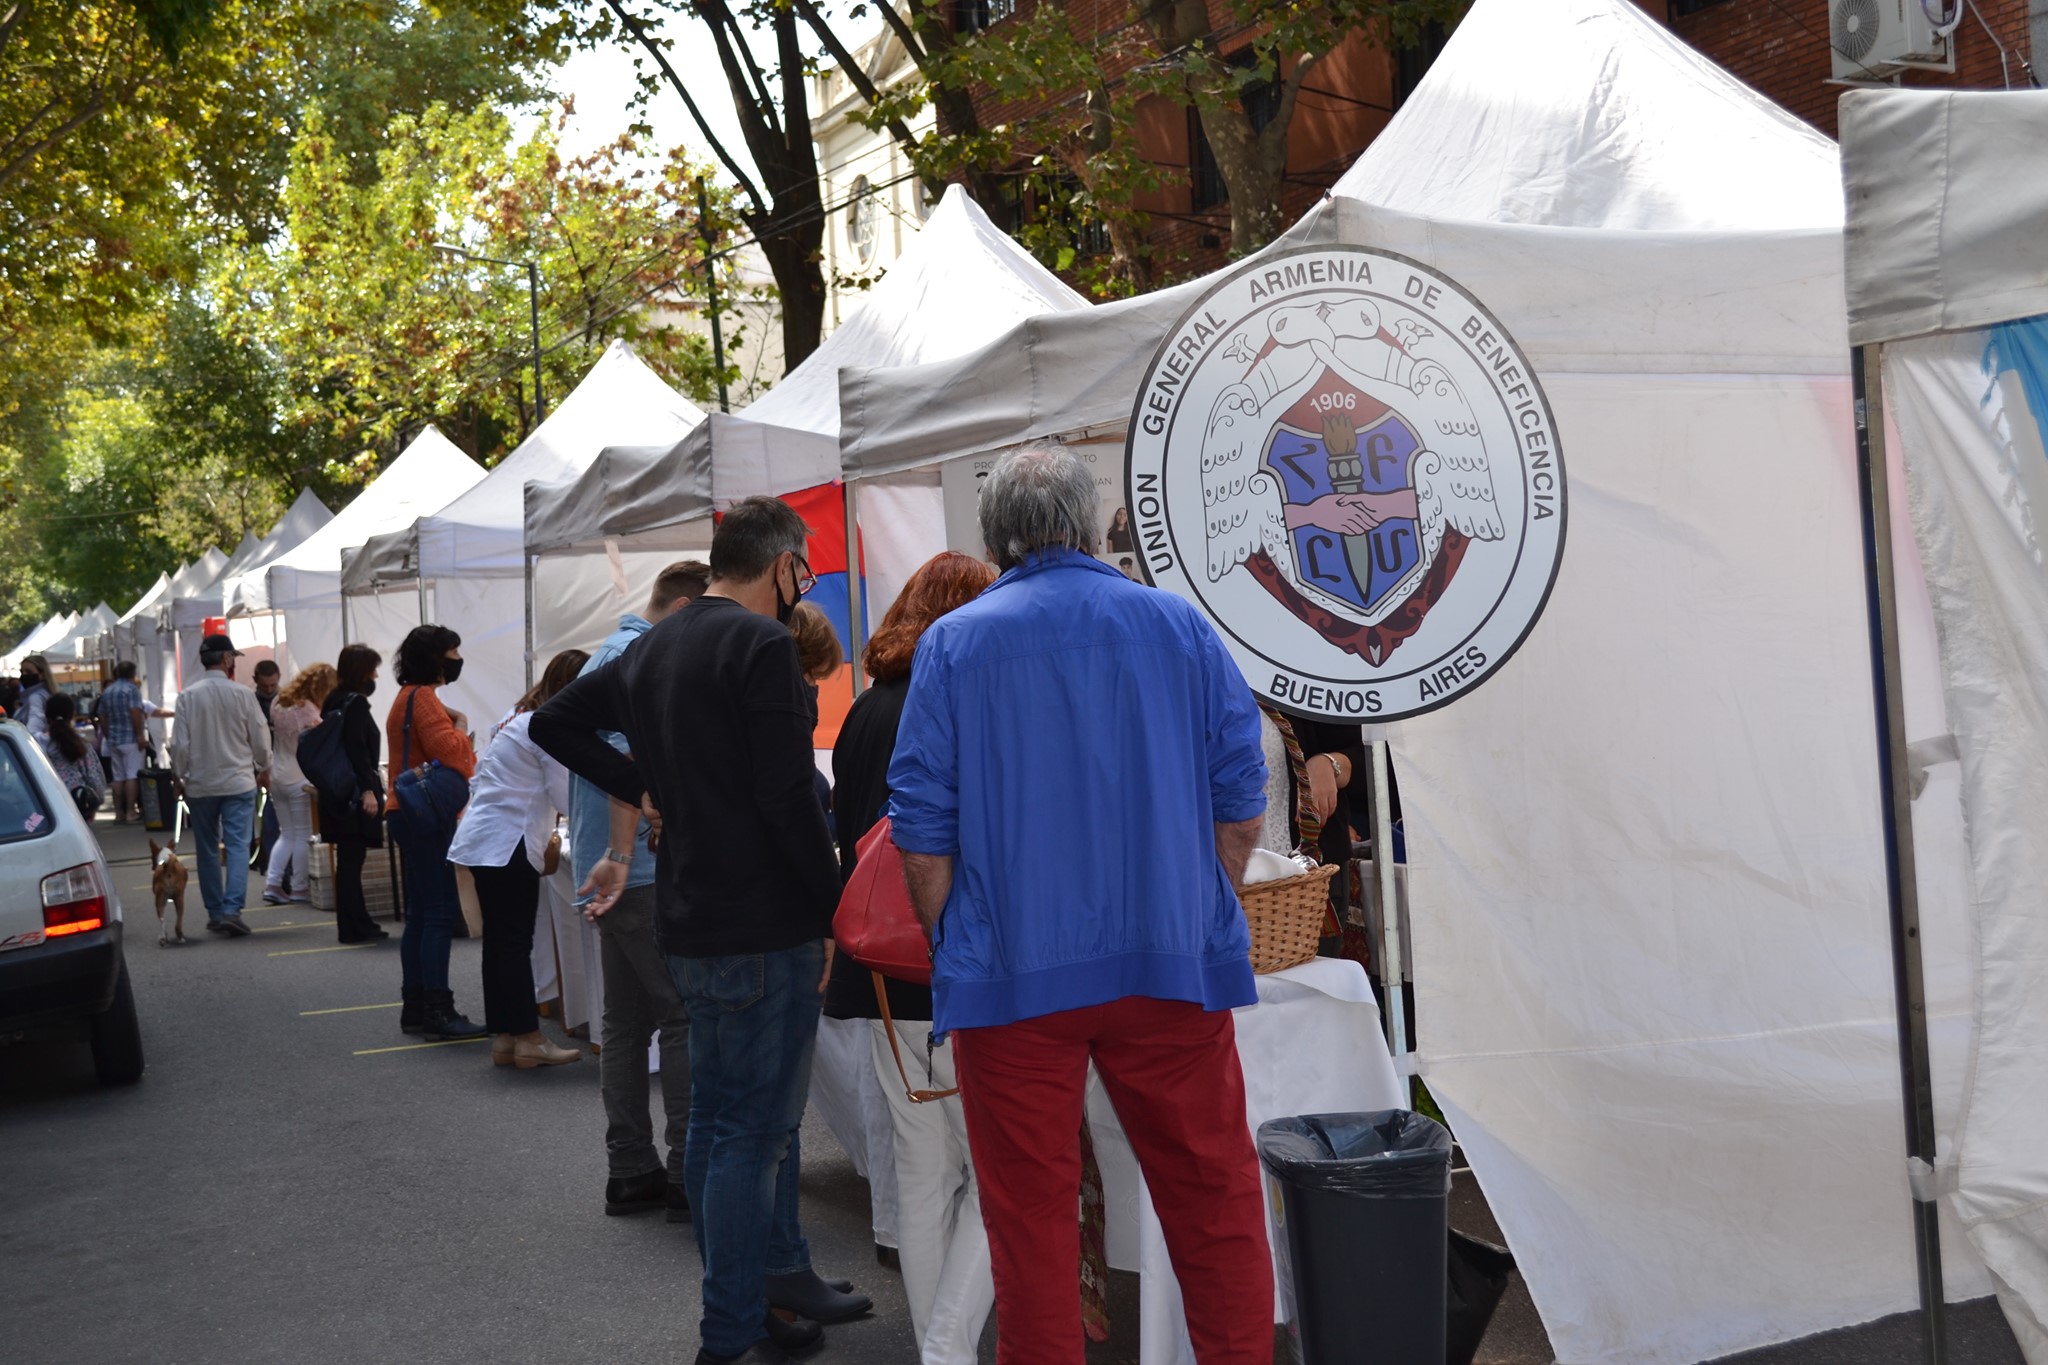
(1362, 1206)
(1478, 1278)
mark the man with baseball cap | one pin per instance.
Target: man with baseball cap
(220, 748)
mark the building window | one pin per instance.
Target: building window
(1204, 175)
(1412, 62)
(1681, 8)
(972, 16)
(1011, 219)
(861, 227)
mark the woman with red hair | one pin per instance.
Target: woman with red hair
(944, 1251)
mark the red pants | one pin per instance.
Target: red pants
(1171, 1070)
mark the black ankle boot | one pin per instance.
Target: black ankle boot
(444, 1024)
(412, 1011)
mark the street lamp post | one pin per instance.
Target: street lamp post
(540, 406)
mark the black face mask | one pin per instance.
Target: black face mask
(784, 610)
(368, 688)
(451, 669)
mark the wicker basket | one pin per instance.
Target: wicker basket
(1286, 918)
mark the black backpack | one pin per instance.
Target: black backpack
(324, 757)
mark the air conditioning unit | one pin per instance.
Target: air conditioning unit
(1873, 39)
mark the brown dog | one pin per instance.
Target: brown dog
(167, 888)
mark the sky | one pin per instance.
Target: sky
(603, 82)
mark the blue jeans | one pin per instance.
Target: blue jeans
(432, 908)
(218, 820)
(753, 1027)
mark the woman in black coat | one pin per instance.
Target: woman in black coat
(354, 827)
(943, 1248)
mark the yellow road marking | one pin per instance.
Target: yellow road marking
(415, 1047)
(337, 948)
(288, 924)
(348, 1009)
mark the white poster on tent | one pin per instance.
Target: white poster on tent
(960, 482)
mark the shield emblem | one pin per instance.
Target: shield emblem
(1337, 439)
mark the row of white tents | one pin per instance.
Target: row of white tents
(1647, 866)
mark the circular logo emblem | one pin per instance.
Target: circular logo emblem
(1346, 462)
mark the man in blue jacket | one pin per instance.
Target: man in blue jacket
(1077, 785)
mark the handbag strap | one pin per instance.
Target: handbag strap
(896, 1048)
(1307, 822)
(405, 735)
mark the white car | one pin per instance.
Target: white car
(62, 973)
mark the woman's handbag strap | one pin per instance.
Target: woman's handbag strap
(896, 1048)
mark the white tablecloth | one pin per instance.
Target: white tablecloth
(1312, 1045)
(576, 947)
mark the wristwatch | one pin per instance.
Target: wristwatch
(613, 855)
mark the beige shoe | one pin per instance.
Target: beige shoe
(501, 1050)
(526, 1055)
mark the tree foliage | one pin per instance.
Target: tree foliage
(1240, 65)
(144, 146)
(383, 332)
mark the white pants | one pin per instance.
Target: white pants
(291, 861)
(944, 1247)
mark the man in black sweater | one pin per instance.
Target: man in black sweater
(712, 703)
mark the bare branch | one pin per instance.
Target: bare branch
(898, 129)
(745, 52)
(92, 110)
(634, 27)
(920, 51)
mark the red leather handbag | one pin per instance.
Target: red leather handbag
(874, 922)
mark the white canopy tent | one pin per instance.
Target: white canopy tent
(464, 563)
(1947, 271)
(300, 590)
(48, 633)
(125, 637)
(189, 614)
(164, 663)
(82, 641)
(1646, 866)
(960, 283)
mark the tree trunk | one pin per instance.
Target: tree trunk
(800, 280)
(1252, 172)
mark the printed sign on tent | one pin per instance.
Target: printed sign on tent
(1345, 460)
(960, 482)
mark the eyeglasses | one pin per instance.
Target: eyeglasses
(805, 579)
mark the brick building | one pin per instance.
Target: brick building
(1781, 47)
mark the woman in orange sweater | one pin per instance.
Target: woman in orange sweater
(420, 730)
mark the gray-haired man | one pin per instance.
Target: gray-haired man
(220, 746)
(1076, 924)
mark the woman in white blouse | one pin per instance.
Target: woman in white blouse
(295, 711)
(503, 841)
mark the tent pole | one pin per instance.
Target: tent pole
(1386, 891)
(854, 623)
(528, 558)
(1902, 891)
(421, 585)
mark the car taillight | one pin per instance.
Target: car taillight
(74, 901)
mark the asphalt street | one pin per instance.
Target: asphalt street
(295, 1180)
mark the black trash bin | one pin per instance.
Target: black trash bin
(1362, 1204)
